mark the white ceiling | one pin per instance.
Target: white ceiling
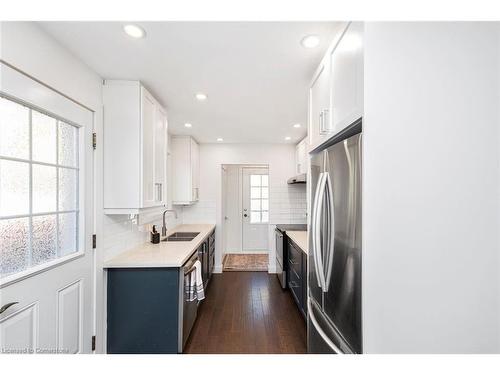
(256, 74)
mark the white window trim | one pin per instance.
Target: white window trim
(33, 270)
(15, 81)
(260, 199)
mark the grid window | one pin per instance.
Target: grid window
(39, 173)
(259, 198)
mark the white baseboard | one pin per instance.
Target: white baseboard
(271, 269)
(218, 268)
(248, 252)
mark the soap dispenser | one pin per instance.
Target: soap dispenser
(155, 236)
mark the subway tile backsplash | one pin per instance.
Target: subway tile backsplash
(204, 211)
(122, 233)
(288, 204)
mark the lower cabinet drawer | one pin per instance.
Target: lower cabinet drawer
(211, 263)
(295, 285)
(295, 265)
(211, 239)
(294, 256)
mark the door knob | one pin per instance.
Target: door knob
(6, 306)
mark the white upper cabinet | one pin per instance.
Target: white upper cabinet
(319, 103)
(347, 78)
(301, 157)
(185, 170)
(336, 91)
(160, 155)
(135, 148)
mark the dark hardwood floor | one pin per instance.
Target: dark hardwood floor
(247, 312)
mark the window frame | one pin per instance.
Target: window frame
(79, 167)
(260, 199)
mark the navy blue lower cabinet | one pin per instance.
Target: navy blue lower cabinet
(143, 310)
(297, 276)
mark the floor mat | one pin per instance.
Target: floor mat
(246, 262)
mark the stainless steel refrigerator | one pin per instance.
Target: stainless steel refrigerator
(334, 262)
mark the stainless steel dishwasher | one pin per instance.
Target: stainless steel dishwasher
(188, 307)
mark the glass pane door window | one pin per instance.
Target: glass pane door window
(39, 198)
(259, 198)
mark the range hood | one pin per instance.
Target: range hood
(299, 179)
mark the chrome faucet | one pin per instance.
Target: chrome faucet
(164, 227)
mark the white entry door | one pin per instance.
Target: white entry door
(46, 219)
(255, 215)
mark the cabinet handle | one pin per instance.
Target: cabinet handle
(325, 120)
(6, 306)
(159, 191)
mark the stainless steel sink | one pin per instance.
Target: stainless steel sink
(181, 236)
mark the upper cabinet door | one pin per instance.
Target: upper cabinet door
(301, 156)
(148, 148)
(160, 155)
(185, 170)
(195, 170)
(135, 148)
(319, 103)
(347, 77)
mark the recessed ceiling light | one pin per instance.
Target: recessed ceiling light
(310, 41)
(134, 31)
(219, 139)
(288, 138)
(188, 125)
(296, 125)
(201, 96)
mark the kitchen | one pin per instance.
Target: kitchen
(138, 159)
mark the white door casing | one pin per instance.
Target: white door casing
(232, 209)
(254, 224)
(55, 304)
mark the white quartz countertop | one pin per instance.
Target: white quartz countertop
(164, 254)
(300, 239)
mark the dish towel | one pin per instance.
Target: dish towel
(196, 290)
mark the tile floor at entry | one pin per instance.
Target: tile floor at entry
(247, 312)
(246, 262)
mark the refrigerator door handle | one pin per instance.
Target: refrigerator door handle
(316, 325)
(314, 225)
(318, 259)
(331, 231)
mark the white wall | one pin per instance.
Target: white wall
(281, 161)
(431, 188)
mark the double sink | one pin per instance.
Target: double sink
(181, 236)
